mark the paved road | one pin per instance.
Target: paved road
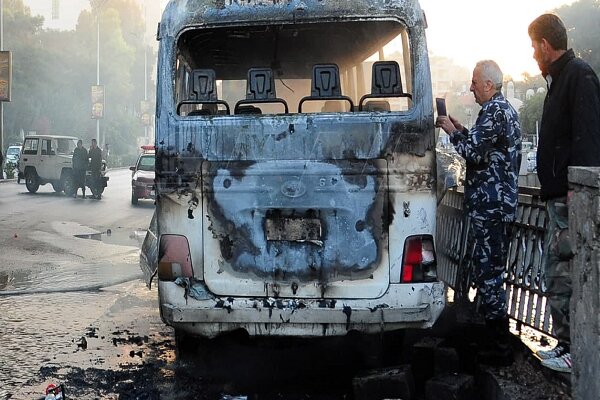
(66, 267)
(65, 281)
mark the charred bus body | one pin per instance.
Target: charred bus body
(295, 168)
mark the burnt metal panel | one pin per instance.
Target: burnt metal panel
(180, 14)
(313, 221)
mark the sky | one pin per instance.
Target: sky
(471, 30)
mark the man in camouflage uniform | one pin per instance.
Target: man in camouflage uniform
(492, 151)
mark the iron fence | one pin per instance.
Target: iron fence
(525, 290)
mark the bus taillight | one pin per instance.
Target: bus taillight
(174, 258)
(419, 263)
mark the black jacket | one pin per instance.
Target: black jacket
(80, 158)
(95, 155)
(570, 129)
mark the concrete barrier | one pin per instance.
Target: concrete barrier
(584, 226)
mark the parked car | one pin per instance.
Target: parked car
(142, 176)
(532, 161)
(13, 153)
(11, 162)
(49, 159)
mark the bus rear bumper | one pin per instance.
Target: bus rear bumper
(303, 317)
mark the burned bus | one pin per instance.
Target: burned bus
(295, 168)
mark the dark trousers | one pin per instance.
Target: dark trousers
(79, 178)
(557, 269)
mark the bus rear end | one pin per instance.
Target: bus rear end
(295, 168)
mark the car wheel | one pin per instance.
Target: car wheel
(31, 181)
(68, 183)
(134, 198)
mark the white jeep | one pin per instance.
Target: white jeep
(49, 159)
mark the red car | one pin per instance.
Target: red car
(142, 176)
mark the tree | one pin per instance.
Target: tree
(53, 72)
(20, 32)
(531, 113)
(581, 20)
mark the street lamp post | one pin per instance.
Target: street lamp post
(96, 7)
(1, 103)
(145, 75)
(98, 72)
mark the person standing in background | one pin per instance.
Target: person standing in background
(569, 135)
(80, 165)
(95, 155)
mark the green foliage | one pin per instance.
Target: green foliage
(10, 168)
(581, 20)
(53, 72)
(531, 112)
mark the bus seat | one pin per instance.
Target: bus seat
(332, 106)
(247, 109)
(202, 111)
(325, 85)
(385, 82)
(203, 90)
(377, 106)
(260, 88)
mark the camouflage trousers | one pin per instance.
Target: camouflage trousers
(556, 268)
(488, 244)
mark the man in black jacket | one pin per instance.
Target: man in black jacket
(95, 155)
(569, 135)
(80, 165)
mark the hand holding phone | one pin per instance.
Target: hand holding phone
(440, 105)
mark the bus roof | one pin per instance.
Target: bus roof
(180, 14)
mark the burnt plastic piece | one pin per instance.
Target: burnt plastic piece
(386, 82)
(326, 85)
(260, 89)
(204, 90)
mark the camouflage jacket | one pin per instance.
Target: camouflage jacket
(492, 150)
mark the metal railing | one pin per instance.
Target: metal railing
(527, 303)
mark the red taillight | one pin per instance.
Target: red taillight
(174, 258)
(407, 273)
(419, 260)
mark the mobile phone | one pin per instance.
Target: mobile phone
(440, 105)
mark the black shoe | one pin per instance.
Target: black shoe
(498, 350)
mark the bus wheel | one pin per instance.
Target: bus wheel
(183, 343)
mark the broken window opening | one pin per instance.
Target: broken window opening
(289, 53)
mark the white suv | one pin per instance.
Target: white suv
(47, 159)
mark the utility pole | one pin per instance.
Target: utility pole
(98, 95)
(98, 72)
(1, 103)
(145, 75)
